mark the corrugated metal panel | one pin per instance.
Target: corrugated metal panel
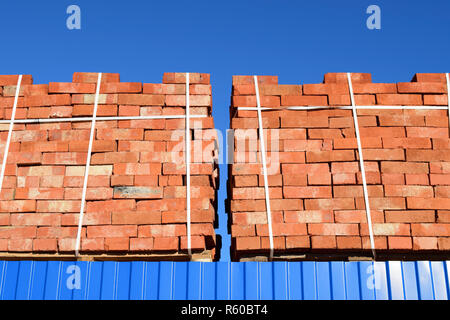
(249, 280)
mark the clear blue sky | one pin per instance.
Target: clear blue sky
(297, 40)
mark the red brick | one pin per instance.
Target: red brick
(399, 99)
(92, 77)
(297, 242)
(304, 101)
(425, 243)
(444, 243)
(329, 156)
(69, 87)
(262, 80)
(142, 244)
(45, 245)
(323, 242)
(410, 216)
(279, 243)
(59, 206)
(400, 243)
(427, 132)
(282, 229)
(58, 232)
(112, 231)
(421, 87)
(18, 206)
(341, 77)
(194, 78)
(35, 219)
(430, 229)
(328, 204)
(165, 244)
(47, 100)
(406, 167)
(429, 77)
(93, 245)
(118, 243)
(121, 87)
(346, 243)
(333, 229)
(7, 80)
(408, 191)
(20, 245)
(307, 192)
(247, 243)
(427, 203)
(141, 99)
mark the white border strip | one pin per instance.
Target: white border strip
(11, 126)
(86, 170)
(448, 98)
(263, 157)
(361, 164)
(52, 120)
(188, 168)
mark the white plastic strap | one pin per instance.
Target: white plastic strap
(264, 165)
(11, 126)
(448, 98)
(88, 163)
(361, 164)
(188, 169)
(85, 119)
(348, 108)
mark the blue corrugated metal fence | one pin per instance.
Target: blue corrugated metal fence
(222, 280)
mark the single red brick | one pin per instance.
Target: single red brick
(117, 244)
(344, 242)
(112, 231)
(141, 244)
(430, 229)
(197, 243)
(166, 244)
(93, 245)
(249, 80)
(279, 243)
(247, 243)
(425, 243)
(45, 245)
(323, 242)
(121, 87)
(7, 80)
(92, 77)
(399, 99)
(297, 242)
(444, 243)
(400, 243)
(341, 77)
(20, 245)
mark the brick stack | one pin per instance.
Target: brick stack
(136, 195)
(316, 191)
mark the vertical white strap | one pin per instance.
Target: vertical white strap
(264, 165)
(361, 164)
(188, 169)
(11, 126)
(448, 98)
(88, 163)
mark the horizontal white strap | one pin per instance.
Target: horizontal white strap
(101, 119)
(375, 107)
